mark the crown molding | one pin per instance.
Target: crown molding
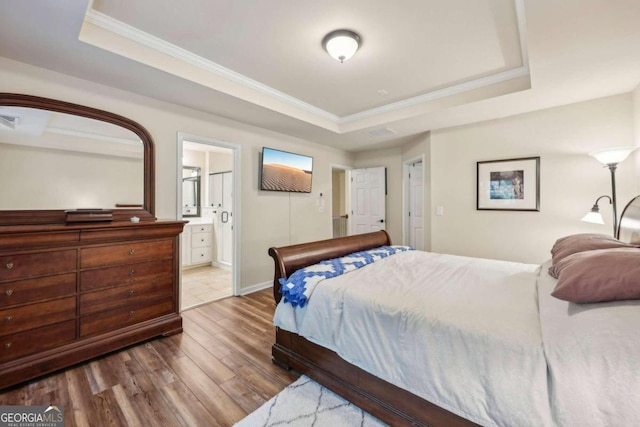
(129, 32)
(438, 94)
(125, 30)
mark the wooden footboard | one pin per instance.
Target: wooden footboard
(385, 401)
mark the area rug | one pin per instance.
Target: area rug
(306, 403)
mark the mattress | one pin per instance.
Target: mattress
(463, 333)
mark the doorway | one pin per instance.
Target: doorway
(208, 247)
(414, 203)
(340, 200)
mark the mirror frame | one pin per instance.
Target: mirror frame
(198, 185)
(144, 212)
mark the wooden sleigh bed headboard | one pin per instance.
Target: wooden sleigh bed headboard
(291, 258)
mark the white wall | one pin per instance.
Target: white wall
(636, 122)
(268, 218)
(570, 179)
(41, 178)
(220, 162)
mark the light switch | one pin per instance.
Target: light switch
(439, 210)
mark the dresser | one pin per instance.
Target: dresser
(72, 292)
(197, 244)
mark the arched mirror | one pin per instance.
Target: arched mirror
(57, 156)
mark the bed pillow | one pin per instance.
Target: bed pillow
(584, 242)
(598, 275)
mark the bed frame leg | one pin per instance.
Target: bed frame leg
(279, 357)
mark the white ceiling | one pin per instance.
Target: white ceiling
(441, 63)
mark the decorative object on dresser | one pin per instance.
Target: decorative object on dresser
(88, 215)
(610, 158)
(77, 283)
(508, 185)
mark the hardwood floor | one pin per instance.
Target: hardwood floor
(213, 374)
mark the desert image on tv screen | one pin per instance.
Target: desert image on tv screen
(282, 171)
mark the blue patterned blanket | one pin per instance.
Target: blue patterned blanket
(297, 288)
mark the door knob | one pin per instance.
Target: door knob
(382, 220)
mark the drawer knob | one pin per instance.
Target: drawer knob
(9, 292)
(131, 313)
(202, 240)
(131, 293)
(9, 318)
(132, 251)
(9, 265)
(132, 272)
(7, 345)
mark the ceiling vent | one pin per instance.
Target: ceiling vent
(381, 132)
(9, 121)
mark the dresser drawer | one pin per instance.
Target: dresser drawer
(122, 317)
(124, 274)
(25, 291)
(125, 253)
(130, 295)
(201, 255)
(36, 340)
(200, 240)
(201, 228)
(24, 266)
(13, 320)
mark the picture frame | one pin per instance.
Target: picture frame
(508, 185)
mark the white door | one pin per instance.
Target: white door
(221, 198)
(367, 200)
(416, 215)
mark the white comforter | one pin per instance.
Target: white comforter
(466, 334)
(593, 357)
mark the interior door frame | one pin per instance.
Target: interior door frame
(406, 199)
(236, 205)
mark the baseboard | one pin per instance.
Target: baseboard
(221, 265)
(255, 288)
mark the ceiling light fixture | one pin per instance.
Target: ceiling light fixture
(341, 44)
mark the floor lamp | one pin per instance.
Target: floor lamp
(609, 157)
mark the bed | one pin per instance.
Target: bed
(500, 349)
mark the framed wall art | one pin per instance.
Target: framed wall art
(508, 185)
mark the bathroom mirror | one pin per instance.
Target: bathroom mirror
(57, 156)
(190, 191)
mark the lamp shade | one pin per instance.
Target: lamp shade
(613, 155)
(341, 44)
(594, 217)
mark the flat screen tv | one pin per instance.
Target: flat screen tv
(284, 171)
